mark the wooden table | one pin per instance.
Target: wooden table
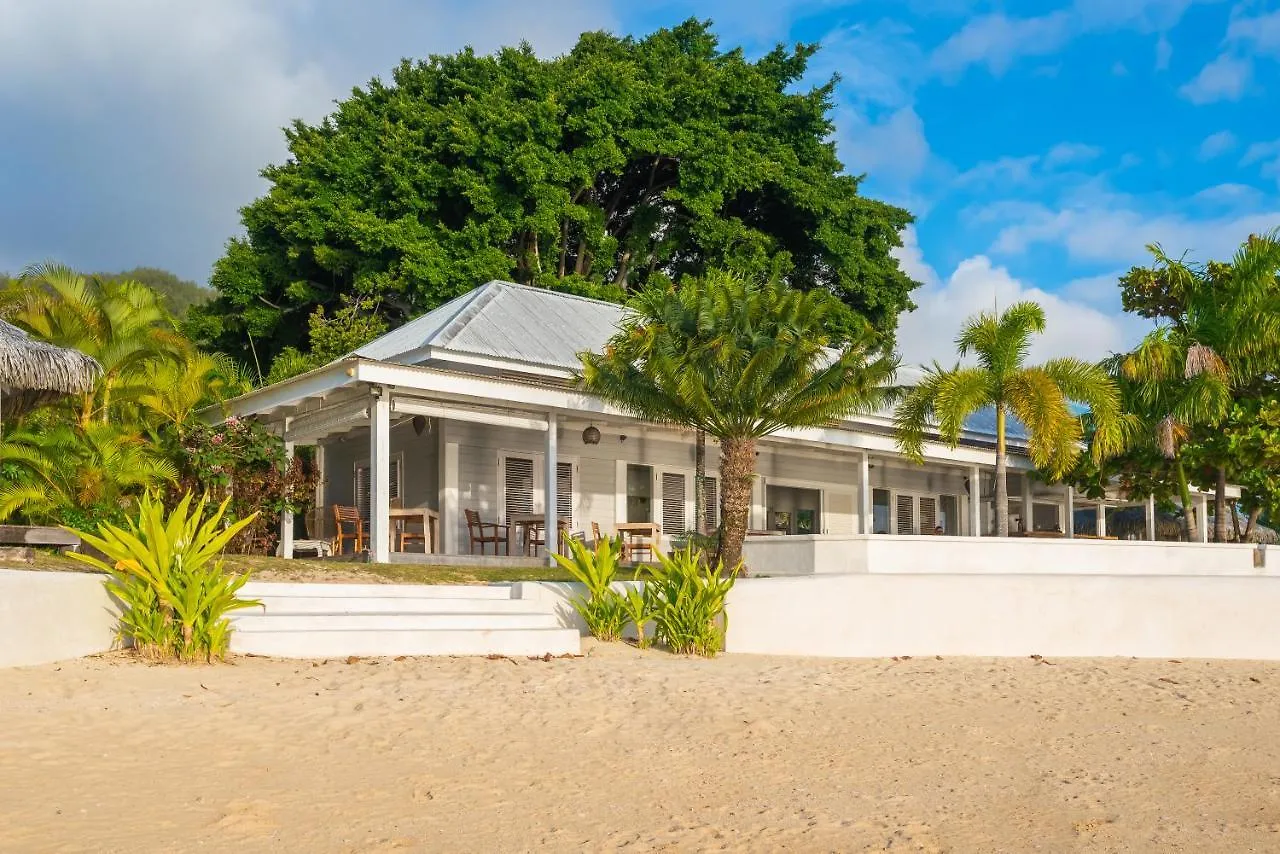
(429, 518)
(639, 535)
(528, 524)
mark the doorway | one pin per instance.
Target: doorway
(794, 510)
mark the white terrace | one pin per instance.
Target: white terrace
(472, 407)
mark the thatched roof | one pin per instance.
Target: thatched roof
(33, 371)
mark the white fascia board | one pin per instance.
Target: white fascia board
(317, 425)
(459, 357)
(491, 389)
(315, 383)
(402, 406)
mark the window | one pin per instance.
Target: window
(906, 514)
(949, 515)
(710, 503)
(639, 493)
(564, 492)
(880, 511)
(518, 488)
(928, 514)
(364, 498)
(673, 520)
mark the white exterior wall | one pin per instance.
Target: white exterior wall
(51, 616)
(873, 615)
(890, 554)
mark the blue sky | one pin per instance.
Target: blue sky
(1040, 145)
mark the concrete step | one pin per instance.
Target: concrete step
(381, 643)
(392, 605)
(258, 589)
(246, 621)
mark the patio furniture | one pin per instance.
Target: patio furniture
(638, 537)
(403, 517)
(486, 532)
(529, 529)
(345, 518)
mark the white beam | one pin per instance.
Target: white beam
(864, 492)
(1203, 510)
(1100, 518)
(449, 499)
(286, 513)
(379, 487)
(551, 533)
(1028, 520)
(318, 424)
(403, 406)
(975, 501)
(1151, 517)
(1070, 527)
(315, 383)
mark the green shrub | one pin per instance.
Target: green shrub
(602, 608)
(635, 605)
(168, 574)
(685, 597)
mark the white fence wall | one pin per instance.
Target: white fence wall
(51, 616)
(871, 615)
(804, 555)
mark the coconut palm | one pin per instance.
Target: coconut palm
(123, 325)
(1039, 396)
(740, 359)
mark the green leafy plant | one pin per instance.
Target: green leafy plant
(603, 609)
(168, 574)
(685, 595)
(635, 604)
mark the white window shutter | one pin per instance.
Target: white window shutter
(564, 492)
(711, 501)
(518, 489)
(906, 514)
(928, 514)
(673, 496)
(362, 491)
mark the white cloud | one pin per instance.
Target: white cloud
(1260, 32)
(154, 118)
(1119, 69)
(1164, 52)
(1267, 154)
(1067, 153)
(1233, 196)
(1073, 327)
(1223, 79)
(1027, 170)
(1217, 144)
(892, 150)
(996, 40)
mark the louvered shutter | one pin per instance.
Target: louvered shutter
(710, 502)
(362, 491)
(364, 487)
(518, 486)
(928, 514)
(906, 514)
(673, 521)
(564, 492)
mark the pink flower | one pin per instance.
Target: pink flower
(233, 421)
(217, 439)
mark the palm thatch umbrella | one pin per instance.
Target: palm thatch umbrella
(34, 372)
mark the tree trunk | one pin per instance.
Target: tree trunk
(1002, 486)
(1188, 514)
(624, 269)
(1251, 522)
(1220, 508)
(1235, 523)
(737, 473)
(699, 485)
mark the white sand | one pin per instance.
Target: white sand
(642, 751)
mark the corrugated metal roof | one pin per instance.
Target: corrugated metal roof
(507, 321)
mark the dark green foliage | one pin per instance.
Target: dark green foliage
(179, 294)
(625, 162)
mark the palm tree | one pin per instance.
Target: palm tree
(121, 324)
(1038, 396)
(739, 359)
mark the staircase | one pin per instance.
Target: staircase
(334, 620)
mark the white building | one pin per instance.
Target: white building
(473, 407)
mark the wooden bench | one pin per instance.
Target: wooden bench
(17, 541)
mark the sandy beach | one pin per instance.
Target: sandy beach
(643, 752)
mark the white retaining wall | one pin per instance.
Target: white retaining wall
(51, 616)
(873, 615)
(826, 554)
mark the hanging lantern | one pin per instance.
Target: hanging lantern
(591, 436)
(419, 424)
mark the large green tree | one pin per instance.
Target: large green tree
(740, 359)
(624, 162)
(1039, 396)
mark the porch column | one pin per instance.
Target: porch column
(864, 492)
(1069, 524)
(1203, 510)
(551, 530)
(449, 499)
(321, 480)
(975, 501)
(379, 488)
(1028, 524)
(1101, 510)
(1151, 518)
(286, 515)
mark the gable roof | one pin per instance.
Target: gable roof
(505, 321)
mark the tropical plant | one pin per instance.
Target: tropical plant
(1040, 397)
(685, 595)
(167, 573)
(58, 472)
(740, 359)
(602, 608)
(1218, 333)
(636, 606)
(623, 162)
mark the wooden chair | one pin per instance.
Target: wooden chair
(344, 517)
(479, 532)
(536, 537)
(596, 537)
